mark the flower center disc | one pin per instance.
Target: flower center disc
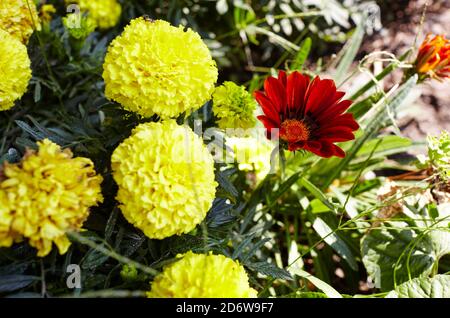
(293, 130)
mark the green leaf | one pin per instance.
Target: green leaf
(9, 283)
(393, 256)
(37, 92)
(270, 269)
(226, 185)
(240, 248)
(318, 207)
(285, 186)
(111, 223)
(423, 287)
(306, 295)
(221, 213)
(25, 127)
(320, 284)
(388, 145)
(93, 259)
(302, 55)
(350, 51)
(318, 194)
(332, 239)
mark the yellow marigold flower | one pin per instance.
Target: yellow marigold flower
(46, 195)
(14, 69)
(19, 18)
(202, 276)
(46, 12)
(104, 13)
(252, 154)
(433, 58)
(234, 106)
(156, 68)
(165, 176)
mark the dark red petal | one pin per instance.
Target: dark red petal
(335, 134)
(326, 104)
(334, 111)
(296, 89)
(270, 126)
(267, 106)
(323, 149)
(344, 120)
(276, 92)
(320, 96)
(296, 146)
(338, 152)
(337, 96)
(282, 78)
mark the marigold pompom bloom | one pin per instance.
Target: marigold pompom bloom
(434, 57)
(156, 68)
(251, 154)
(165, 176)
(104, 13)
(14, 69)
(202, 276)
(233, 106)
(309, 115)
(46, 195)
(19, 18)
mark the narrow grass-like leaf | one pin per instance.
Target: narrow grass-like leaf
(332, 239)
(271, 270)
(302, 55)
(10, 283)
(350, 51)
(315, 191)
(320, 284)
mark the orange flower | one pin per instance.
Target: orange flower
(433, 58)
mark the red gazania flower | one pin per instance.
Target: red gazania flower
(434, 57)
(309, 115)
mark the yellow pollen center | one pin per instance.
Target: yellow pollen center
(293, 130)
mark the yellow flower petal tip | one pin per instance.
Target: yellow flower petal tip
(156, 68)
(202, 276)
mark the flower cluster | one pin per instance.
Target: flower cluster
(433, 59)
(166, 177)
(233, 106)
(103, 13)
(15, 72)
(202, 276)
(306, 114)
(156, 68)
(46, 195)
(19, 18)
